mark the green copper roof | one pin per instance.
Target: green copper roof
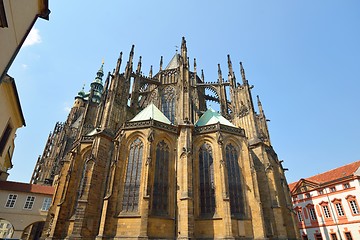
(151, 112)
(212, 117)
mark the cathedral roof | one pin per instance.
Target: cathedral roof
(151, 112)
(212, 117)
(174, 62)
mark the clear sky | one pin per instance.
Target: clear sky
(301, 56)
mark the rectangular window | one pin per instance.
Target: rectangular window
(4, 138)
(348, 236)
(46, 204)
(333, 189)
(307, 195)
(333, 236)
(299, 216)
(318, 237)
(354, 207)
(346, 185)
(339, 209)
(326, 211)
(29, 202)
(321, 192)
(312, 214)
(10, 203)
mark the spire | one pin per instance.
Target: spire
(202, 75)
(97, 85)
(130, 62)
(260, 105)
(118, 64)
(81, 94)
(195, 75)
(242, 73)
(184, 51)
(138, 70)
(161, 63)
(151, 72)
(220, 78)
(231, 72)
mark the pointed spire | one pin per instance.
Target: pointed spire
(118, 64)
(184, 52)
(202, 75)
(232, 78)
(260, 105)
(242, 73)
(161, 63)
(220, 79)
(138, 70)
(195, 65)
(151, 72)
(129, 64)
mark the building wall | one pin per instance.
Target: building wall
(10, 118)
(20, 17)
(335, 224)
(19, 217)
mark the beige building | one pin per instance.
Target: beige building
(23, 209)
(16, 20)
(143, 157)
(17, 17)
(327, 204)
(11, 118)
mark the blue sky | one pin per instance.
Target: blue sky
(301, 56)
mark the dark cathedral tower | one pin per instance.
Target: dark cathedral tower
(143, 157)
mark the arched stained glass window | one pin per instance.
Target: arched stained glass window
(234, 179)
(132, 179)
(207, 189)
(160, 198)
(168, 103)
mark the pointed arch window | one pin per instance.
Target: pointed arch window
(236, 195)
(207, 188)
(168, 103)
(130, 201)
(160, 198)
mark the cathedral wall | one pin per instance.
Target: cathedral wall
(128, 227)
(161, 228)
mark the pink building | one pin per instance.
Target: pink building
(327, 204)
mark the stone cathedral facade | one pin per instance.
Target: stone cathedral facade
(142, 157)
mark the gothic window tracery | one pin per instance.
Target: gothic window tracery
(168, 103)
(161, 180)
(132, 179)
(207, 187)
(236, 195)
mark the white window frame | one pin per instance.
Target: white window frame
(46, 204)
(299, 216)
(339, 209)
(29, 203)
(11, 200)
(312, 213)
(326, 211)
(354, 207)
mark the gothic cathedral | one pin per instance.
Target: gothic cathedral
(142, 157)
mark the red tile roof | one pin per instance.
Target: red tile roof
(331, 175)
(26, 187)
